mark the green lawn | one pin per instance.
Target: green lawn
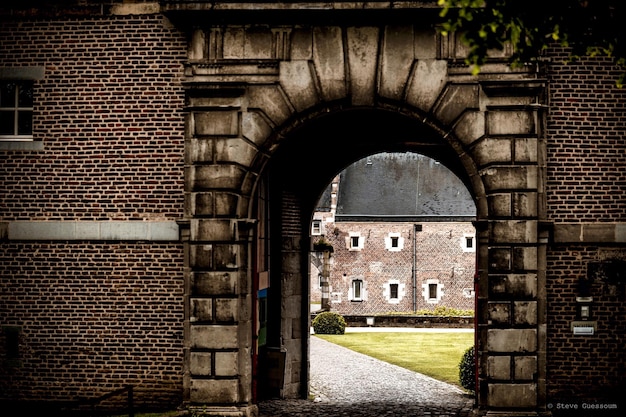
(434, 354)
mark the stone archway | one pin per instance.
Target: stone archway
(252, 89)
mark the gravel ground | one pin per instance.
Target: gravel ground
(347, 383)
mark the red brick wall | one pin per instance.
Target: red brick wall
(586, 183)
(95, 316)
(439, 256)
(108, 111)
(586, 148)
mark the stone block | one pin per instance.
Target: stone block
(226, 256)
(526, 150)
(223, 122)
(214, 391)
(214, 283)
(271, 101)
(470, 126)
(396, 61)
(426, 44)
(233, 42)
(513, 231)
(226, 309)
(257, 43)
(499, 367)
(226, 204)
(455, 100)
(512, 395)
(500, 205)
(200, 363)
(512, 340)
(500, 259)
(212, 229)
(201, 309)
(213, 336)
(297, 83)
(513, 285)
(492, 150)
(525, 368)
(525, 204)
(524, 258)
(201, 256)
(510, 122)
(302, 44)
(363, 63)
(329, 62)
(202, 204)
(207, 177)
(198, 150)
(235, 150)
(226, 363)
(499, 312)
(525, 312)
(426, 85)
(497, 178)
(254, 127)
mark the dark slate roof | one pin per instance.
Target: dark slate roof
(402, 184)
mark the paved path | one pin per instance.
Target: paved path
(347, 383)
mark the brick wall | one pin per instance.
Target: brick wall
(586, 147)
(439, 257)
(586, 182)
(92, 318)
(108, 111)
(95, 316)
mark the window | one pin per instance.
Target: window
(468, 243)
(432, 291)
(357, 292)
(316, 227)
(393, 291)
(394, 242)
(355, 241)
(16, 110)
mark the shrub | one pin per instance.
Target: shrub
(328, 322)
(467, 370)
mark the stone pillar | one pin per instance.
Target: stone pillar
(511, 333)
(219, 326)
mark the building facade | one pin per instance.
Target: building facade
(160, 164)
(402, 237)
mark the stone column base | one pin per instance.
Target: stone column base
(224, 411)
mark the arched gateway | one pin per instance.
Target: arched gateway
(280, 97)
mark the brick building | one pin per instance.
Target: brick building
(160, 163)
(400, 227)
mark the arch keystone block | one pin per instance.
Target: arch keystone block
(362, 60)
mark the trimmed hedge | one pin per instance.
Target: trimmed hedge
(328, 322)
(467, 370)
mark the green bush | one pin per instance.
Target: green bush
(467, 370)
(328, 322)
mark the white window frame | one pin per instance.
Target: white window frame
(362, 291)
(389, 242)
(20, 74)
(350, 240)
(316, 227)
(387, 291)
(15, 110)
(465, 246)
(426, 291)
